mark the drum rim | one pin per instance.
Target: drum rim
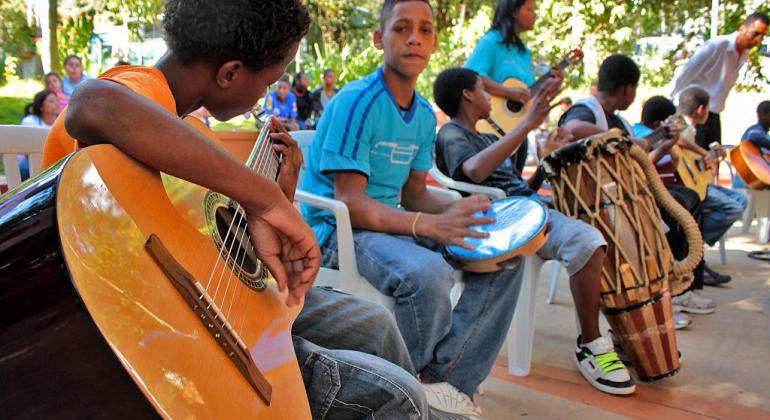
(463, 253)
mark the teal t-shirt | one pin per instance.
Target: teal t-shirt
(641, 130)
(499, 62)
(364, 130)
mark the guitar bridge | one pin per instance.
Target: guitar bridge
(208, 314)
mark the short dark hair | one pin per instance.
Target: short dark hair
(763, 107)
(387, 9)
(504, 22)
(283, 79)
(327, 71)
(259, 34)
(49, 74)
(617, 71)
(691, 99)
(36, 106)
(72, 57)
(566, 100)
(448, 88)
(297, 77)
(655, 109)
(755, 17)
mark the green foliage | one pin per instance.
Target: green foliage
(74, 35)
(12, 109)
(348, 63)
(16, 36)
(137, 14)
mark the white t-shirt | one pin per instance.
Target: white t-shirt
(34, 121)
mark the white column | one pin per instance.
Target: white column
(714, 18)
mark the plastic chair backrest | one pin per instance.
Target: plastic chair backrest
(20, 145)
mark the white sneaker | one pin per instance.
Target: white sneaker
(681, 320)
(602, 368)
(693, 303)
(450, 403)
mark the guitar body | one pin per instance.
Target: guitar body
(751, 164)
(693, 171)
(96, 328)
(506, 113)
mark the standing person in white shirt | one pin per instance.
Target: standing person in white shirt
(715, 68)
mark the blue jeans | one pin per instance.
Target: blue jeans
(721, 208)
(353, 360)
(457, 345)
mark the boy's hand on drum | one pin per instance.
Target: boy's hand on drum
(454, 225)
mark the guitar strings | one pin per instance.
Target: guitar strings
(262, 166)
(228, 254)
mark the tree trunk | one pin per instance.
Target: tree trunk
(53, 25)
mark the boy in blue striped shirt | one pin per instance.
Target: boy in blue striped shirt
(372, 151)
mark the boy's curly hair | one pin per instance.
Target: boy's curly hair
(259, 33)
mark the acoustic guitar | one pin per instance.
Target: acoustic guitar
(507, 114)
(127, 293)
(752, 164)
(693, 170)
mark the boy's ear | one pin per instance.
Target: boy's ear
(228, 73)
(468, 95)
(377, 37)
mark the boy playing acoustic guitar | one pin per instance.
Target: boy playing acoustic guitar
(223, 55)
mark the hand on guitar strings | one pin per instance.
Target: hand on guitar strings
(453, 225)
(287, 246)
(291, 157)
(541, 104)
(522, 95)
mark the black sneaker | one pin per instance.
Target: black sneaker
(712, 278)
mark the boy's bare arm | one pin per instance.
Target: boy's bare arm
(449, 227)
(106, 112)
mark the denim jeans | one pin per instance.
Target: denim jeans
(353, 360)
(457, 345)
(721, 208)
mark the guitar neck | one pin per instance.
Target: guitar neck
(656, 136)
(563, 64)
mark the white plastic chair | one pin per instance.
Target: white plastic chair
(16, 140)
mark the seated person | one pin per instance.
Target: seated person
(722, 206)
(616, 90)
(757, 133)
(73, 66)
(323, 94)
(372, 151)
(301, 90)
(53, 83)
(467, 155)
(654, 111)
(282, 104)
(235, 63)
(42, 111)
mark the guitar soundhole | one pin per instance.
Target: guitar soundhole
(231, 235)
(514, 106)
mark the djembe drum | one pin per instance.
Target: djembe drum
(609, 183)
(520, 229)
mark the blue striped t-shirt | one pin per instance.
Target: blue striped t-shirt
(364, 130)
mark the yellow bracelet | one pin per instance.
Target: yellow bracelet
(414, 224)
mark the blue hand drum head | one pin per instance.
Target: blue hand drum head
(519, 229)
